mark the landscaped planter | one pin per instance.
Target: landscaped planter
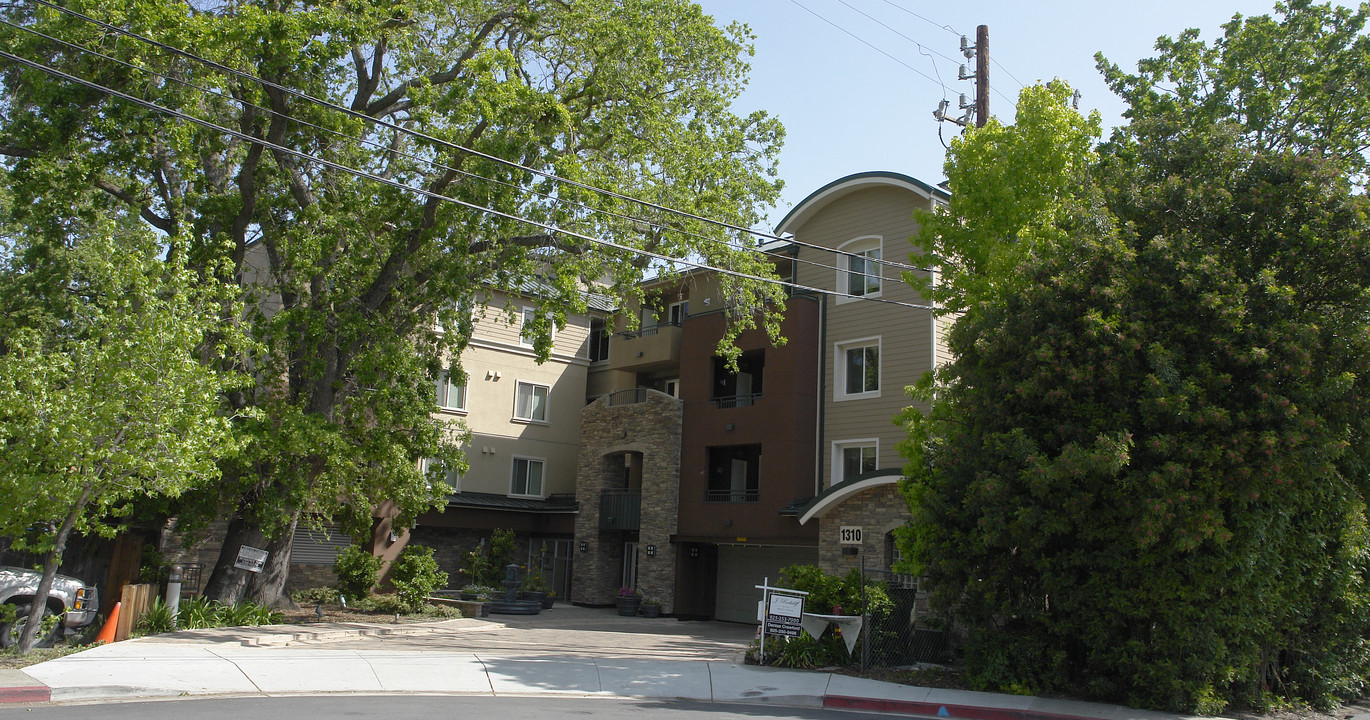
(628, 606)
(651, 611)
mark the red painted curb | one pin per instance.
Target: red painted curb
(38, 693)
(962, 712)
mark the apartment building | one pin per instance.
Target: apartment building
(877, 338)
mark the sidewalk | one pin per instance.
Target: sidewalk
(609, 657)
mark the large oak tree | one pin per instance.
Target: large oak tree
(344, 276)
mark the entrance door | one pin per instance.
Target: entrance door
(630, 564)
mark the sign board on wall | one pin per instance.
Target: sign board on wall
(850, 534)
(251, 559)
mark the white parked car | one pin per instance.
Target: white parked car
(76, 602)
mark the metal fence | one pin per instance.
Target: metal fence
(902, 636)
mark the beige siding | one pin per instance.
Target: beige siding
(495, 363)
(906, 335)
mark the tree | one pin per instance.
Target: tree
(1144, 475)
(103, 395)
(1291, 83)
(344, 275)
(1010, 185)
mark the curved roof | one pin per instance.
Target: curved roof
(835, 495)
(821, 197)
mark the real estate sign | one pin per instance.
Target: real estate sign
(784, 613)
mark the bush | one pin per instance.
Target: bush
(485, 565)
(158, 619)
(415, 576)
(199, 613)
(356, 570)
(315, 596)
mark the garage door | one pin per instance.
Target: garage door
(742, 568)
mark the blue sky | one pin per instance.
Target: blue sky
(854, 104)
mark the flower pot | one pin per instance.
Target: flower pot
(628, 606)
(651, 611)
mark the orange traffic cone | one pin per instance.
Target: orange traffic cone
(107, 632)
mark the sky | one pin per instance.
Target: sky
(855, 82)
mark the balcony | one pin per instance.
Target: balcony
(620, 509)
(735, 401)
(651, 348)
(732, 496)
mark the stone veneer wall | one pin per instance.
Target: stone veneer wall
(876, 511)
(651, 428)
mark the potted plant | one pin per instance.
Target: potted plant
(651, 607)
(628, 601)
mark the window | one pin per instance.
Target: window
(599, 341)
(529, 323)
(450, 395)
(858, 368)
(734, 474)
(432, 468)
(860, 274)
(854, 457)
(527, 479)
(740, 388)
(530, 402)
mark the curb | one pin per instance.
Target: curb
(927, 709)
(16, 686)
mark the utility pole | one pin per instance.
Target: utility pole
(980, 108)
(981, 75)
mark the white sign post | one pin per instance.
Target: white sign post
(251, 559)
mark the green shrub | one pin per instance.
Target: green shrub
(415, 575)
(485, 565)
(315, 596)
(830, 593)
(157, 619)
(356, 570)
(389, 604)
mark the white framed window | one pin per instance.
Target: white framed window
(859, 269)
(856, 364)
(451, 396)
(527, 320)
(851, 458)
(526, 479)
(432, 467)
(530, 402)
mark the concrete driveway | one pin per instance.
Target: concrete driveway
(570, 630)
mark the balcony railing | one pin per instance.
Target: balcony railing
(732, 496)
(647, 331)
(620, 509)
(733, 401)
(631, 396)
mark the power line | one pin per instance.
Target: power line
(920, 47)
(933, 23)
(863, 41)
(454, 146)
(380, 146)
(430, 194)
